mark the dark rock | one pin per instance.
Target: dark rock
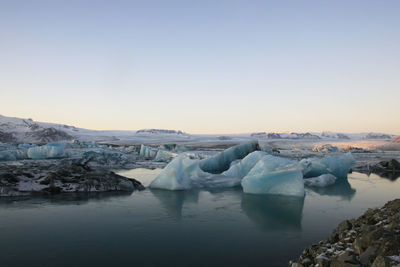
(368, 256)
(366, 241)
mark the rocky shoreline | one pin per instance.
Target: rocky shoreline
(373, 239)
(55, 176)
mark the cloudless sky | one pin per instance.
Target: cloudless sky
(203, 66)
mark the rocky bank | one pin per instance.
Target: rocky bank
(54, 176)
(371, 240)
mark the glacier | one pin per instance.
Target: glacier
(274, 176)
(338, 166)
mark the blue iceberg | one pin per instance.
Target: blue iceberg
(49, 151)
(274, 176)
(338, 166)
(222, 161)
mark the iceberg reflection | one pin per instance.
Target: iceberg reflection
(272, 213)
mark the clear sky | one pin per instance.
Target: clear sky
(203, 66)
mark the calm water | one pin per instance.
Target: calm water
(195, 228)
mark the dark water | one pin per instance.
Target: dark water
(193, 228)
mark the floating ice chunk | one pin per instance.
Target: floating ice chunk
(325, 148)
(183, 173)
(339, 166)
(53, 150)
(163, 155)
(222, 161)
(241, 168)
(7, 156)
(323, 180)
(26, 146)
(274, 176)
(147, 152)
(179, 174)
(15, 154)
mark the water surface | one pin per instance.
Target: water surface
(191, 228)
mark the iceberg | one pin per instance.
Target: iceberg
(163, 155)
(53, 150)
(15, 154)
(339, 166)
(325, 148)
(274, 176)
(7, 156)
(147, 152)
(183, 173)
(323, 180)
(241, 168)
(222, 161)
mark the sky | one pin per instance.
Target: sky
(219, 66)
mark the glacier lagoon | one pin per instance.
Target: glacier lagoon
(180, 228)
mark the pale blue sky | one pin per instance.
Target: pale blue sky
(203, 66)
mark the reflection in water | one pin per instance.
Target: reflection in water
(173, 200)
(272, 213)
(62, 199)
(341, 188)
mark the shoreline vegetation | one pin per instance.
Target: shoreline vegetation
(373, 239)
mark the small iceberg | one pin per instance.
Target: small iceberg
(338, 166)
(49, 151)
(323, 180)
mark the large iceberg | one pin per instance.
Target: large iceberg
(222, 161)
(339, 166)
(184, 173)
(274, 176)
(52, 150)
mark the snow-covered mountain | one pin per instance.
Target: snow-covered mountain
(285, 135)
(16, 130)
(30, 131)
(159, 132)
(323, 135)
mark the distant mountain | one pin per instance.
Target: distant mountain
(335, 135)
(323, 135)
(159, 132)
(285, 135)
(16, 130)
(378, 136)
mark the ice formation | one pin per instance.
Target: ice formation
(323, 180)
(274, 176)
(52, 150)
(147, 152)
(222, 161)
(183, 173)
(339, 166)
(258, 172)
(163, 155)
(325, 148)
(241, 168)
